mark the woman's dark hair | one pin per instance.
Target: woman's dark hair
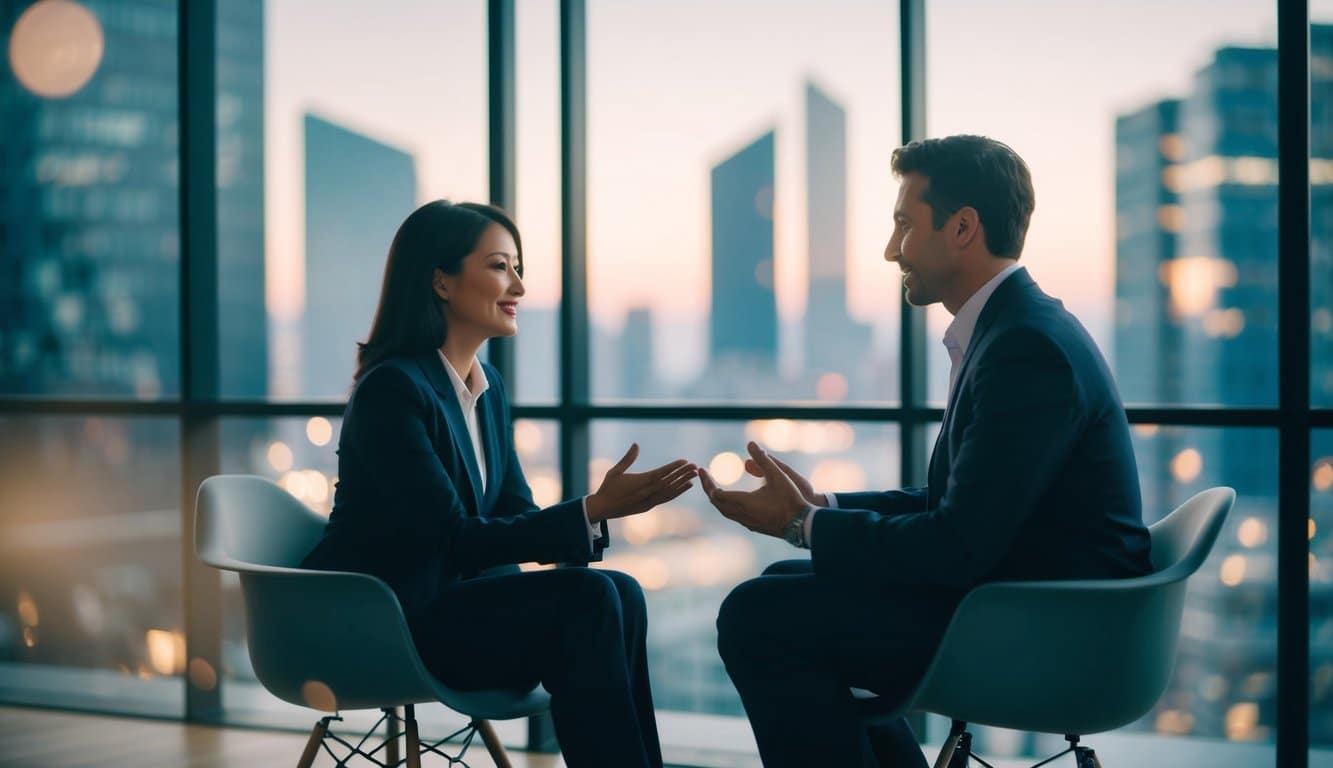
(979, 172)
(439, 235)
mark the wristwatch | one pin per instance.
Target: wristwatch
(794, 533)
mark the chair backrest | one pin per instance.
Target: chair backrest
(1088, 656)
(242, 521)
(1182, 540)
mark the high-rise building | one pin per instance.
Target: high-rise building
(1321, 214)
(636, 355)
(357, 191)
(90, 306)
(833, 340)
(743, 327)
(243, 370)
(89, 250)
(1196, 322)
(1147, 330)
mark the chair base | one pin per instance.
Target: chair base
(385, 753)
(957, 751)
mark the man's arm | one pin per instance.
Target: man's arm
(1027, 412)
(900, 502)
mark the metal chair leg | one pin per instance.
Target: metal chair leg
(493, 744)
(956, 731)
(312, 744)
(413, 740)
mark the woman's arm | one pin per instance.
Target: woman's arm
(515, 493)
(389, 437)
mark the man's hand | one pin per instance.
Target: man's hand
(767, 509)
(807, 490)
(629, 493)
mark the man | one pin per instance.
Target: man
(1032, 477)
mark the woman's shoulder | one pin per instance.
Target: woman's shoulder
(391, 375)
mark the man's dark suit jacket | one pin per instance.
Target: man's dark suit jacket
(409, 507)
(1033, 475)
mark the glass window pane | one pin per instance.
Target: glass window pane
(1154, 162)
(537, 346)
(1321, 203)
(90, 563)
(738, 201)
(1224, 685)
(89, 214)
(1321, 594)
(1222, 694)
(299, 454)
(365, 112)
(687, 557)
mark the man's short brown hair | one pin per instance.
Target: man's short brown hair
(979, 172)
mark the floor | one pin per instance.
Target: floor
(51, 739)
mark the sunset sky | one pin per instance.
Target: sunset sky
(676, 87)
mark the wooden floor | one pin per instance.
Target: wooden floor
(51, 739)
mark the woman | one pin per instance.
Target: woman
(432, 500)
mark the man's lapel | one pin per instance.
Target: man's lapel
(1005, 294)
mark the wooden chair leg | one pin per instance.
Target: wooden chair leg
(950, 744)
(413, 740)
(493, 744)
(391, 736)
(312, 745)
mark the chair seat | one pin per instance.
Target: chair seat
(1085, 657)
(328, 640)
(499, 704)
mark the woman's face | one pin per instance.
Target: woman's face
(482, 299)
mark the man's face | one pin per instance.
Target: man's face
(921, 251)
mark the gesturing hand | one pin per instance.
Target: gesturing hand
(628, 493)
(767, 509)
(807, 490)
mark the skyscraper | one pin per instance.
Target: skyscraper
(89, 250)
(243, 331)
(1196, 321)
(357, 191)
(1321, 214)
(1147, 331)
(743, 328)
(90, 306)
(636, 354)
(833, 341)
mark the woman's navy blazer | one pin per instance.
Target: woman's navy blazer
(409, 507)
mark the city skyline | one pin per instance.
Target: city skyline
(1201, 336)
(1065, 198)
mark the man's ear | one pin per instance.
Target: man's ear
(967, 227)
(438, 285)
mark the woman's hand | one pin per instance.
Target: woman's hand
(629, 493)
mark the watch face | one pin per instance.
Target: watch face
(794, 533)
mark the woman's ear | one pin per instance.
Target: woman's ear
(438, 284)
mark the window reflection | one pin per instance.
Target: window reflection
(88, 201)
(99, 496)
(687, 557)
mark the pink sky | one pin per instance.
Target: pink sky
(673, 88)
